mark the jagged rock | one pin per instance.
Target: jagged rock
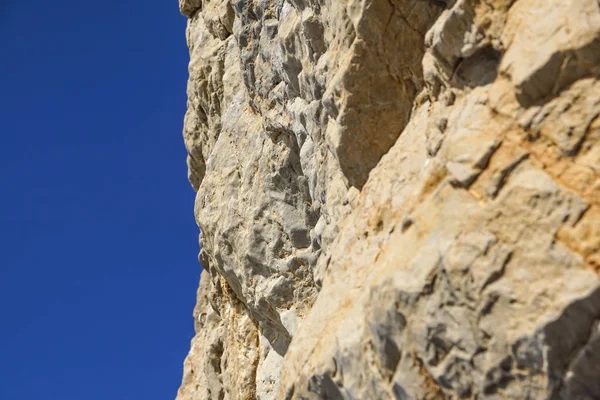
(397, 199)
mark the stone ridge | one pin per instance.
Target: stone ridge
(397, 199)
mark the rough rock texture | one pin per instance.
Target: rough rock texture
(398, 199)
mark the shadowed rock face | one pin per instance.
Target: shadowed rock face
(397, 199)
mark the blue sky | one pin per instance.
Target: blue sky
(98, 245)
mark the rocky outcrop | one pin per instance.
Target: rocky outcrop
(397, 199)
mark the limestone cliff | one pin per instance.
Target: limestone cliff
(397, 199)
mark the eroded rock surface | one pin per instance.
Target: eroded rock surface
(397, 199)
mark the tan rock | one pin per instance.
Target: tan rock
(397, 199)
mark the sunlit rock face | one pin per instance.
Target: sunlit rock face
(397, 199)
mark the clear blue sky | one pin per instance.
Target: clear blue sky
(98, 245)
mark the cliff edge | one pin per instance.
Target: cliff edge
(397, 199)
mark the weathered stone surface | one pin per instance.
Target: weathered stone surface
(397, 199)
(189, 7)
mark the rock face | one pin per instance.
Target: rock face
(397, 199)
